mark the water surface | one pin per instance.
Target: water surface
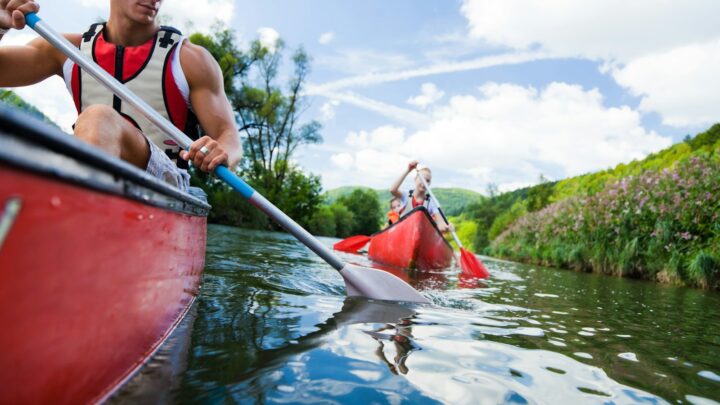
(273, 326)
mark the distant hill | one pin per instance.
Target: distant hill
(10, 98)
(453, 200)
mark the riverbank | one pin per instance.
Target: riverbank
(656, 226)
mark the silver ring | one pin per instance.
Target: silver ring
(204, 150)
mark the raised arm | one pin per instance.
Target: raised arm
(207, 95)
(395, 188)
(31, 63)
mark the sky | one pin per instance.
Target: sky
(481, 91)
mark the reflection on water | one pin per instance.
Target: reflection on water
(274, 326)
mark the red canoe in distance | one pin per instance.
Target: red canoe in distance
(414, 242)
(98, 264)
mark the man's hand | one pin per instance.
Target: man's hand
(12, 12)
(206, 154)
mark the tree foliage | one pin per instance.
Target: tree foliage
(365, 208)
(269, 117)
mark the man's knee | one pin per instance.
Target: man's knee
(98, 123)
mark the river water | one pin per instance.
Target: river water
(273, 326)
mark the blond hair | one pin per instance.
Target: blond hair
(425, 170)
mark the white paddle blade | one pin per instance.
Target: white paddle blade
(378, 285)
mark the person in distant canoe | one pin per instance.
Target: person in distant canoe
(419, 196)
(180, 80)
(396, 208)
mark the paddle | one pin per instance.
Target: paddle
(352, 244)
(359, 281)
(468, 262)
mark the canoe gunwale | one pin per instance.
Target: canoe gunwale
(34, 146)
(408, 215)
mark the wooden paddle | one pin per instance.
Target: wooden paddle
(352, 244)
(359, 281)
(469, 263)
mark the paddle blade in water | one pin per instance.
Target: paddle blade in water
(352, 244)
(471, 266)
(378, 284)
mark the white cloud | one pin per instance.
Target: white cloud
(268, 38)
(49, 96)
(564, 131)
(681, 84)
(363, 61)
(663, 51)
(597, 29)
(198, 15)
(435, 69)
(326, 38)
(190, 15)
(429, 94)
(403, 115)
(342, 160)
(52, 98)
(386, 137)
(327, 110)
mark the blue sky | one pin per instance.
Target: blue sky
(480, 90)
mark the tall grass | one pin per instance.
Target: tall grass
(661, 225)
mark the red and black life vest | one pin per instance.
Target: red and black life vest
(147, 71)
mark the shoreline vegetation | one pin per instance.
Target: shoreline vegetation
(654, 219)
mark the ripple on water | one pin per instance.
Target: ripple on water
(273, 324)
(629, 356)
(709, 375)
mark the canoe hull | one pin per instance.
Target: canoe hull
(98, 264)
(414, 242)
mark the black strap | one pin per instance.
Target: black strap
(167, 39)
(88, 36)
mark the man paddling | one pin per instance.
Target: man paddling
(418, 196)
(180, 80)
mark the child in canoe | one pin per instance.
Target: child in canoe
(419, 195)
(396, 208)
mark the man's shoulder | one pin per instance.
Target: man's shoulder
(193, 53)
(198, 64)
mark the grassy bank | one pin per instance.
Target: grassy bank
(655, 225)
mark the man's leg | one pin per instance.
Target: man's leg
(105, 128)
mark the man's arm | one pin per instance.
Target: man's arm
(395, 188)
(32, 63)
(207, 95)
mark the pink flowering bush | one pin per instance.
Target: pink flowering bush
(657, 224)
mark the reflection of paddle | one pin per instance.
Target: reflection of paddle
(352, 244)
(354, 311)
(469, 264)
(359, 281)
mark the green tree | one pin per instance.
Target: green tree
(344, 220)
(365, 208)
(323, 222)
(539, 196)
(269, 117)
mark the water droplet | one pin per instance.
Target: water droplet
(55, 201)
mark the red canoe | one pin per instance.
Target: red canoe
(414, 242)
(98, 264)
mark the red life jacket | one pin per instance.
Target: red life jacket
(145, 69)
